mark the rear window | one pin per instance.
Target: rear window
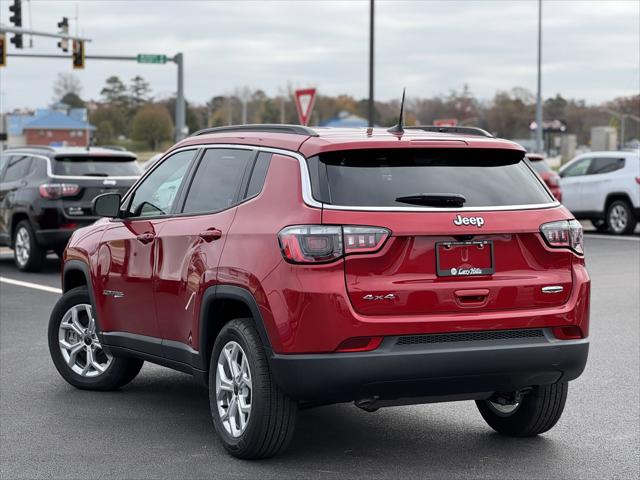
(540, 166)
(377, 178)
(95, 166)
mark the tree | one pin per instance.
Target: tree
(104, 133)
(66, 83)
(115, 92)
(73, 100)
(116, 116)
(140, 92)
(191, 119)
(152, 125)
(509, 116)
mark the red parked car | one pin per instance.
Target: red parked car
(286, 267)
(551, 178)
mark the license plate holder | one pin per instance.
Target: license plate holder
(465, 259)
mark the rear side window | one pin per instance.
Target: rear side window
(258, 175)
(540, 166)
(216, 183)
(95, 166)
(605, 165)
(378, 178)
(17, 168)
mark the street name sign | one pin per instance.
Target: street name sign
(151, 58)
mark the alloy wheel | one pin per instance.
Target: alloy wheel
(618, 218)
(22, 246)
(79, 343)
(233, 388)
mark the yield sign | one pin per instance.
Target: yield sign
(304, 103)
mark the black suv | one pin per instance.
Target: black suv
(47, 192)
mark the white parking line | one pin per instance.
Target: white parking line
(612, 237)
(35, 286)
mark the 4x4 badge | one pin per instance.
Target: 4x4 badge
(389, 296)
(460, 221)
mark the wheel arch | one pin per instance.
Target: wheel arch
(219, 305)
(16, 218)
(613, 196)
(76, 273)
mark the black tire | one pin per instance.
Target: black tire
(614, 224)
(600, 225)
(118, 373)
(35, 253)
(272, 418)
(538, 412)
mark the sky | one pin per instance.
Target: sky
(591, 49)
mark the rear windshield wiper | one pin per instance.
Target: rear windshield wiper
(434, 199)
(97, 174)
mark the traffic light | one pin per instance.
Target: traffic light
(16, 19)
(3, 50)
(63, 27)
(78, 54)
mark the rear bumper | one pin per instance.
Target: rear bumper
(473, 369)
(53, 239)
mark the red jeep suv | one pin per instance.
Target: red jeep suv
(286, 267)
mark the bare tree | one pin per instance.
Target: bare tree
(64, 84)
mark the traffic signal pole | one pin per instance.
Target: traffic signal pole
(178, 59)
(37, 33)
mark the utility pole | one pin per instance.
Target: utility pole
(371, 45)
(539, 145)
(181, 129)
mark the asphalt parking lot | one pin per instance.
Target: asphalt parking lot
(159, 426)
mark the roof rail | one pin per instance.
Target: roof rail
(461, 130)
(269, 128)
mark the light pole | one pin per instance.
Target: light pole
(371, 102)
(180, 115)
(539, 95)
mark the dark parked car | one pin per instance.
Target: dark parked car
(46, 193)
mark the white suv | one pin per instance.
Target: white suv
(604, 187)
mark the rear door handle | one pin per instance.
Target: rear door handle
(146, 237)
(211, 234)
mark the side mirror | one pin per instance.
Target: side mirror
(107, 205)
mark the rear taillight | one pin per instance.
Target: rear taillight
(564, 234)
(554, 180)
(324, 243)
(638, 180)
(51, 191)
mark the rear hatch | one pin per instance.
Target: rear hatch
(464, 230)
(93, 175)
